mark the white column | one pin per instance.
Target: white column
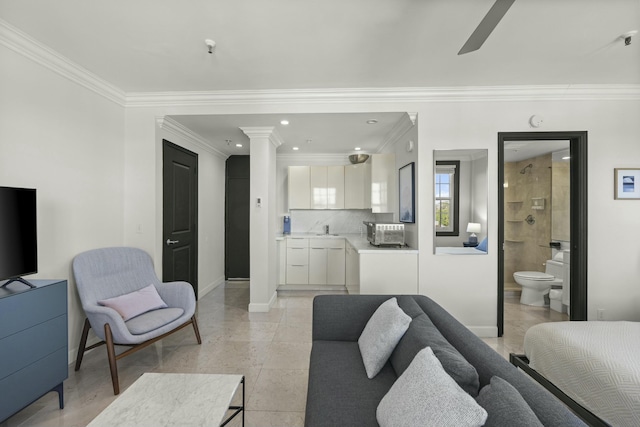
(263, 142)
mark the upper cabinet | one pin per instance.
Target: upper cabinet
(384, 186)
(357, 186)
(299, 187)
(371, 185)
(327, 187)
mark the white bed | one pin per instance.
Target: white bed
(595, 363)
(456, 250)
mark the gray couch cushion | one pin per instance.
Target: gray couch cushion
(425, 395)
(381, 335)
(505, 405)
(422, 333)
(339, 392)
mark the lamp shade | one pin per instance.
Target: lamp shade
(473, 227)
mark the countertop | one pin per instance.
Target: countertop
(360, 243)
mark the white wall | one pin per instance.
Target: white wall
(404, 157)
(67, 142)
(144, 132)
(614, 256)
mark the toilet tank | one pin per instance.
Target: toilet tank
(555, 268)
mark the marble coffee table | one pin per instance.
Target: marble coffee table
(187, 400)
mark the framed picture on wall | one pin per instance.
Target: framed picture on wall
(407, 194)
(627, 184)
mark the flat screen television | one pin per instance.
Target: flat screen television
(18, 234)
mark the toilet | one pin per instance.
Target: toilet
(536, 284)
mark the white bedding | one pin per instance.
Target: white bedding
(457, 250)
(595, 363)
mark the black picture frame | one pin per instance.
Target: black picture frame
(406, 192)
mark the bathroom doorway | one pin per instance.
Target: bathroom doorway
(533, 203)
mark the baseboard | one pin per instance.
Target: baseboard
(211, 286)
(262, 307)
(484, 331)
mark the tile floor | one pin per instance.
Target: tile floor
(270, 349)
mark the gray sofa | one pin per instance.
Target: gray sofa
(339, 392)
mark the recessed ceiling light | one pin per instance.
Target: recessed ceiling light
(357, 148)
(295, 148)
(566, 157)
(308, 141)
(239, 145)
(284, 122)
(372, 121)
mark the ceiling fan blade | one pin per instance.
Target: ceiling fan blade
(486, 26)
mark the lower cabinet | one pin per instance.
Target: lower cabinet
(297, 261)
(326, 262)
(352, 269)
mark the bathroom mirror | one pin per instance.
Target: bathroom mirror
(460, 202)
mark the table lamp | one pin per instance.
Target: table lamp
(473, 228)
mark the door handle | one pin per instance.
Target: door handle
(172, 242)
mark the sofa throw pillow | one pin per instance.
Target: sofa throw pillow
(423, 333)
(381, 335)
(135, 303)
(425, 395)
(505, 406)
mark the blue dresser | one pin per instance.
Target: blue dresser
(33, 343)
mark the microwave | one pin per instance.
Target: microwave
(385, 234)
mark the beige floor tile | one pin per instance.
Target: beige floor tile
(288, 355)
(280, 390)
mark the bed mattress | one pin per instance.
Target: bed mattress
(595, 363)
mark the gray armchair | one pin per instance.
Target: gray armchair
(110, 272)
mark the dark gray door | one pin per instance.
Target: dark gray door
(237, 218)
(180, 213)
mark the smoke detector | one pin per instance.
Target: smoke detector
(211, 45)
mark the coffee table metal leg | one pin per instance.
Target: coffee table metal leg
(237, 409)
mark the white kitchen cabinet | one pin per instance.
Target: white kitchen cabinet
(352, 269)
(326, 187)
(336, 265)
(384, 184)
(317, 266)
(297, 261)
(357, 186)
(326, 261)
(299, 187)
(282, 262)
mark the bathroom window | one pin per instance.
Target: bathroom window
(447, 180)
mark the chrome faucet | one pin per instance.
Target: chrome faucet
(326, 229)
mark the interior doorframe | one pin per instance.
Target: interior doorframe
(579, 210)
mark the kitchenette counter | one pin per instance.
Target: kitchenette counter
(359, 242)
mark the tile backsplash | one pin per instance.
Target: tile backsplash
(346, 221)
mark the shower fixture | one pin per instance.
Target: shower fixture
(524, 169)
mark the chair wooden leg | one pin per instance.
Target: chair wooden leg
(195, 328)
(83, 343)
(111, 353)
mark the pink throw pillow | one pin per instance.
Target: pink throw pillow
(135, 303)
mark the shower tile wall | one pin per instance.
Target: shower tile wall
(527, 246)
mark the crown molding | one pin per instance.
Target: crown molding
(269, 132)
(607, 92)
(30, 48)
(320, 159)
(171, 126)
(25, 45)
(402, 126)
